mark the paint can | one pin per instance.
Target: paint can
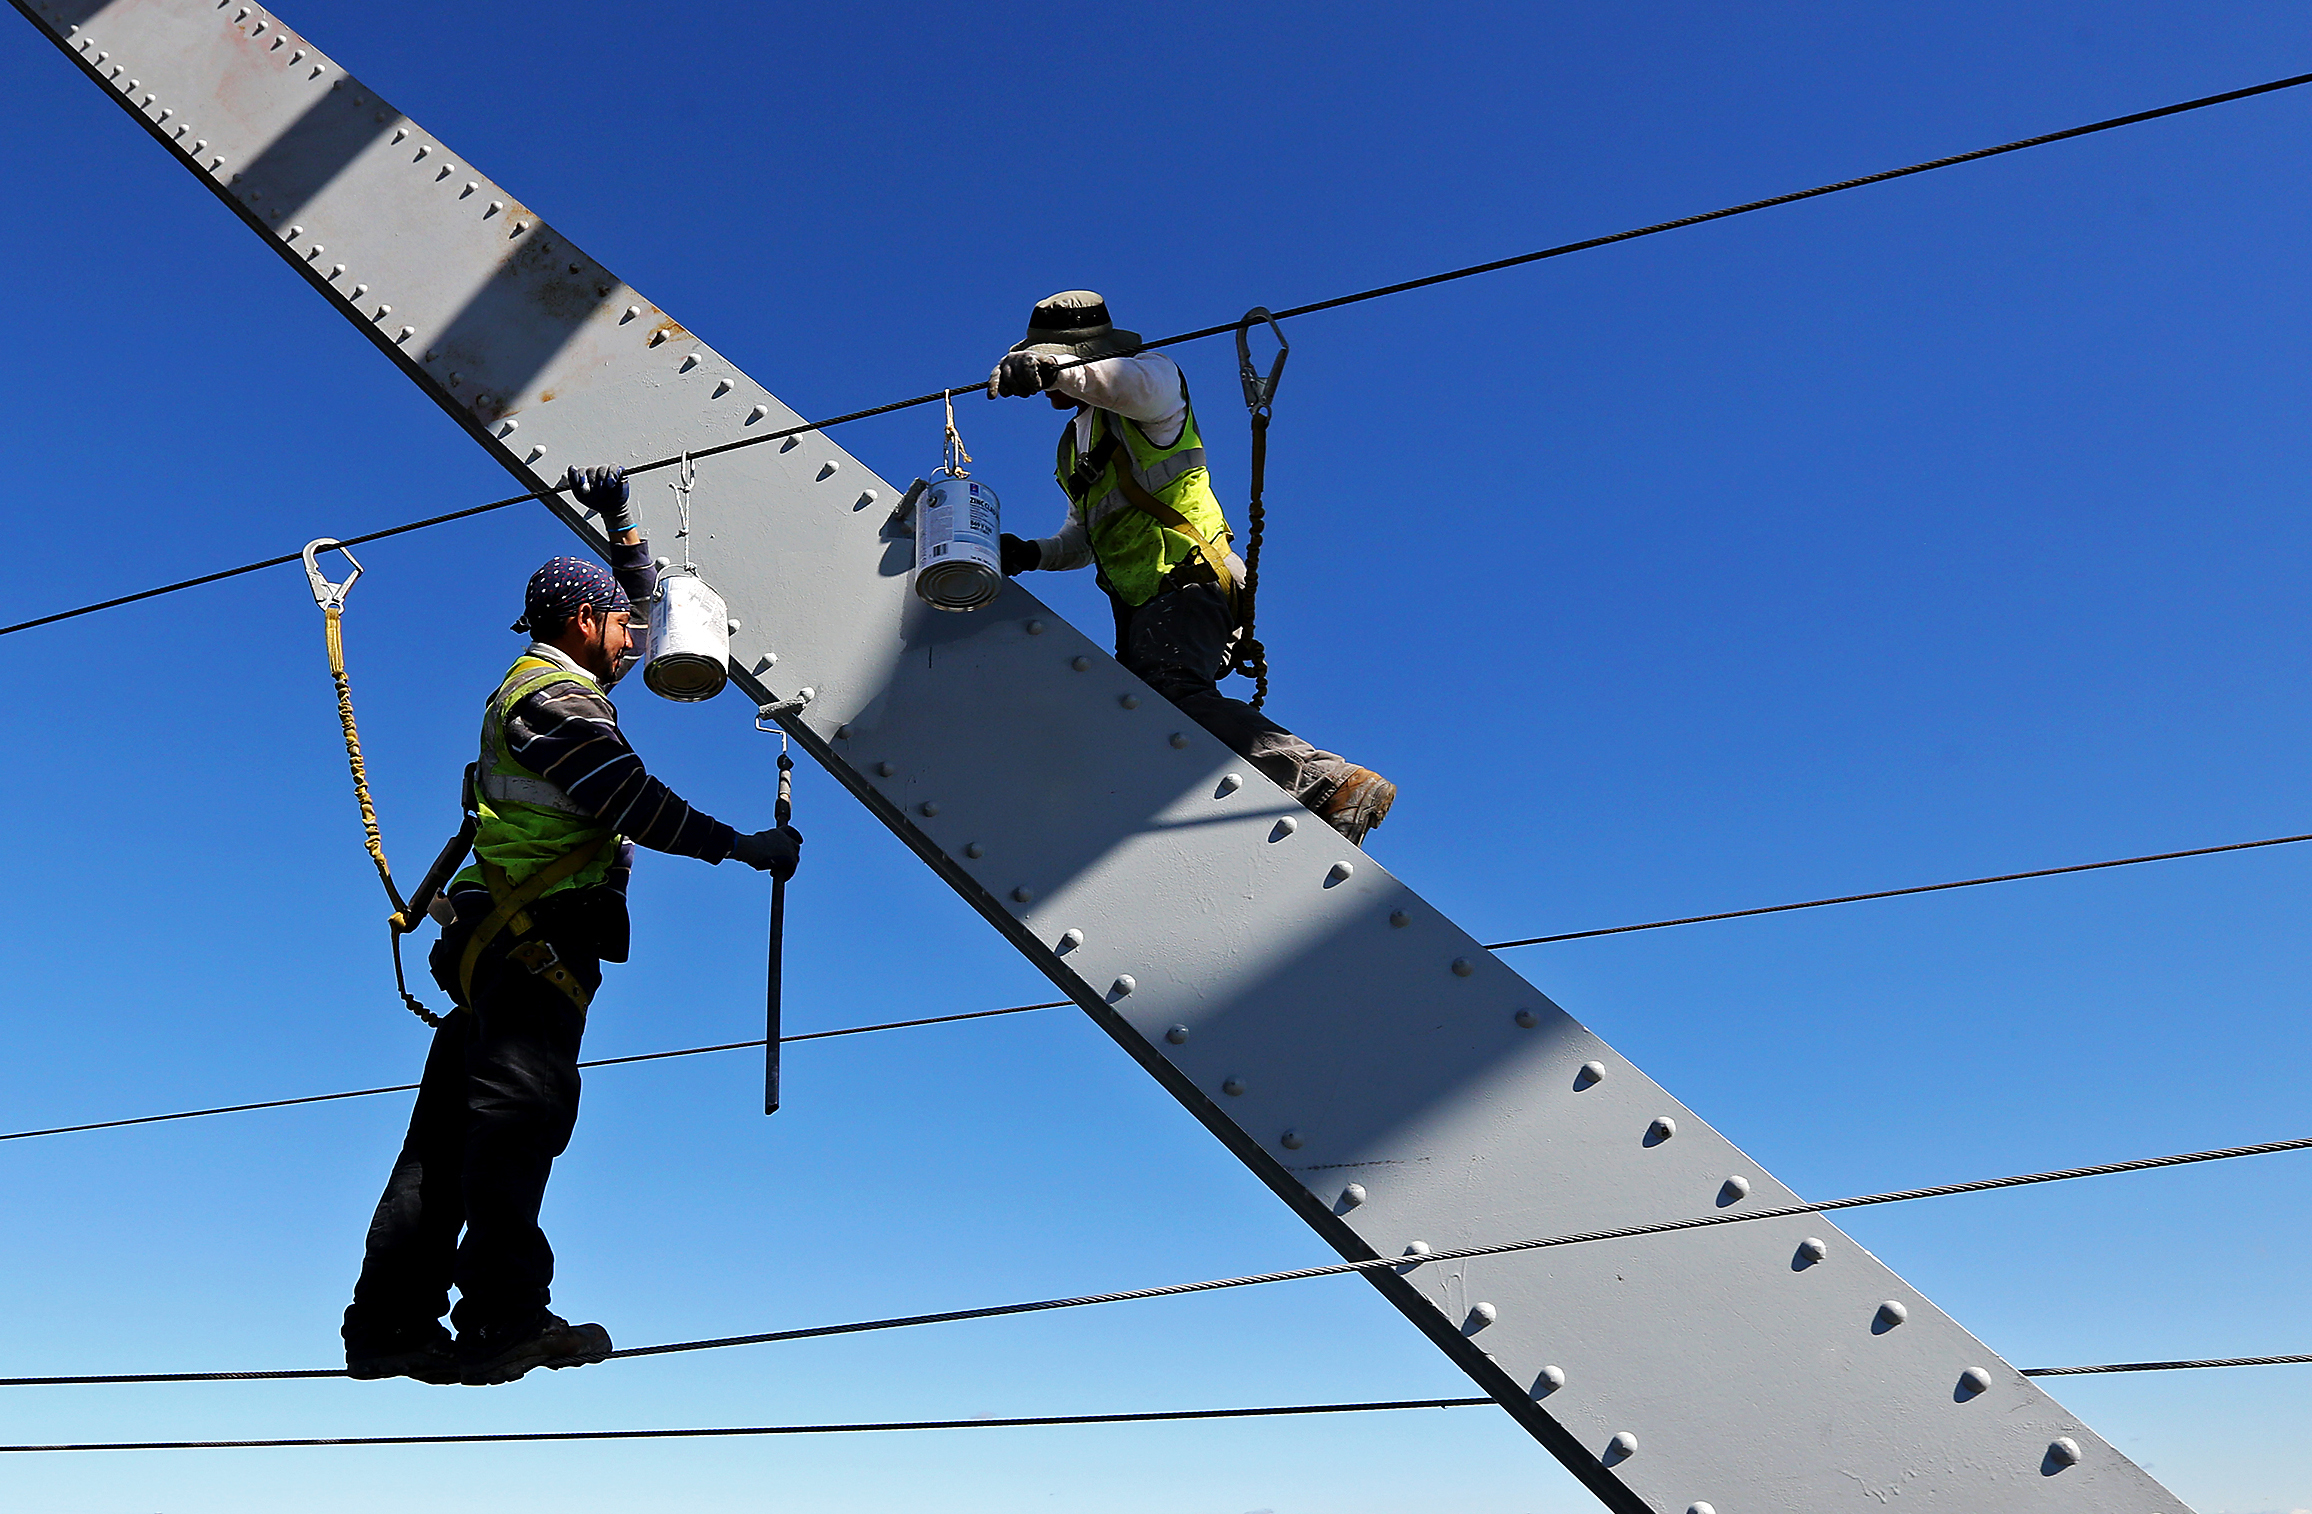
(958, 558)
(690, 640)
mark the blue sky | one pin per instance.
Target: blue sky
(1941, 528)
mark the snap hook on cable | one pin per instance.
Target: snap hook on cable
(326, 594)
(1259, 391)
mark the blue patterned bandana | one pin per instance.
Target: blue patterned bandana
(559, 588)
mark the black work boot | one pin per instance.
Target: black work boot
(423, 1351)
(500, 1354)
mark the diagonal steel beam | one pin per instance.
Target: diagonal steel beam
(1389, 1079)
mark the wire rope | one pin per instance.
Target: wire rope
(1383, 291)
(644, 1056)
(1896, 893)
(1018, 1009)
(1145, 1417)
(1403, 1264)
(1036, 1421)
(2217, 1361)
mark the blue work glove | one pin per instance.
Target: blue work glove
(1019, 556)
(775, 851)
(602, 490)
(1022, 373)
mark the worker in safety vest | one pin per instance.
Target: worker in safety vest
(562, 801)
(1140, 505)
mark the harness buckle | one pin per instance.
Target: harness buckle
(1259, 391)
(326, 594)
(540, 959)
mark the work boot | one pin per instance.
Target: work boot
(501, 1354)
(1360, 802)
(424, 1352)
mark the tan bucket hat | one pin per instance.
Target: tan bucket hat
(1074, 323)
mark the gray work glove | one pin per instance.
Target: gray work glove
(1019, 556)
(1022, 373)
(774, 851)
(602, 490)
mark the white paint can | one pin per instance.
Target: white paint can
(958, 559)
(690, 640)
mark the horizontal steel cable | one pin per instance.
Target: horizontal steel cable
(1157, 1416)
(936, 396)
(1153, 1416)
(645, 1056)
(1293, 1275)
(2217, 1361)
(1017, 1009)
(1897, 893)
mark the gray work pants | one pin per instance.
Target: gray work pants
(1178, 643)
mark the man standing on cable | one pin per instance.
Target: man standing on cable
(562, 801)
(1141, 506)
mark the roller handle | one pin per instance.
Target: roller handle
(781, 813)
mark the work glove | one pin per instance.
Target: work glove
(1022, 373)
(602, 490)
(775, 851)
(1020, 556)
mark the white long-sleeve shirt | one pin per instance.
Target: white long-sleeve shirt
(1146, 389)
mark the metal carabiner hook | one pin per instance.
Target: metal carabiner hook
(326, 594)
(1259, 392)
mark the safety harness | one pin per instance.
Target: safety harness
(1087, 473)
(512, 913)
(1249, 657)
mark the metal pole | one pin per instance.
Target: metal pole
(781, 813)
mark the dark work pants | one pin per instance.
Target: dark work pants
(496, 1105)
(1178, 643)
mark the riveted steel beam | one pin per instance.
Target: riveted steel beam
(1388, 1078)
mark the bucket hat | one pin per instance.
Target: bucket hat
(1074, 323)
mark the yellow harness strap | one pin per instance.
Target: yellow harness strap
(512, 911)
(1215, 556)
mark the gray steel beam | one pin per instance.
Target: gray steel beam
(1389, 1079)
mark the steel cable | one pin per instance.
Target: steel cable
(1157, 1416)
(937, 396)
(1292, 1275)
(2221, 1361)
(1017, 1009)
(1896, 893)
(1154, 1416)
(643, 1056)
(1037, 1421)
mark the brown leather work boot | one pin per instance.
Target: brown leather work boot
(1361, 802)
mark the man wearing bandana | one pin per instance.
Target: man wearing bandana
(563, 802)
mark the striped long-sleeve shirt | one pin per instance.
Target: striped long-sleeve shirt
(567, 733)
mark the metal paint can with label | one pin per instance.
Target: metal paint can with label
(690, 640)
(958, 558)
